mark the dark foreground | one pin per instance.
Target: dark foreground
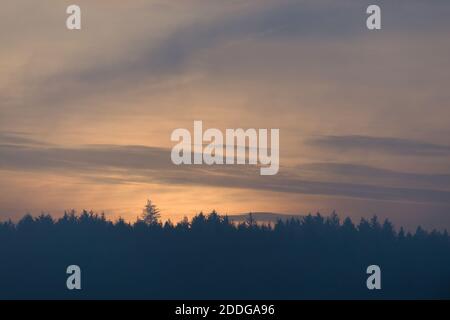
(210, 258)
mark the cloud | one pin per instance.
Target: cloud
(396, 146)
(153, 61)
(143, 164)
(274, 20)
(18, 138)
(373, 175)
(172, 53)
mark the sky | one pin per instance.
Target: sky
(86, 116)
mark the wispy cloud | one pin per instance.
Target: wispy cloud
(381, 144)
(18, 138)
(143, 164)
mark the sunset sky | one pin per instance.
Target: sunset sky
(86, 116)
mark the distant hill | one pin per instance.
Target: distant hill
(263, 217)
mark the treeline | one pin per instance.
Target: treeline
(210, 257)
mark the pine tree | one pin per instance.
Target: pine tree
(150, 214)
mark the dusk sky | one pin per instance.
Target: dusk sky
(86, 116)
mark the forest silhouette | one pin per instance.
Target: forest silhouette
(211, 257)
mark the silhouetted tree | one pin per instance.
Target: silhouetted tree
(250, 221)
(401, 234)
(150, 214)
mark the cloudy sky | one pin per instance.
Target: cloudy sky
(86, 116)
